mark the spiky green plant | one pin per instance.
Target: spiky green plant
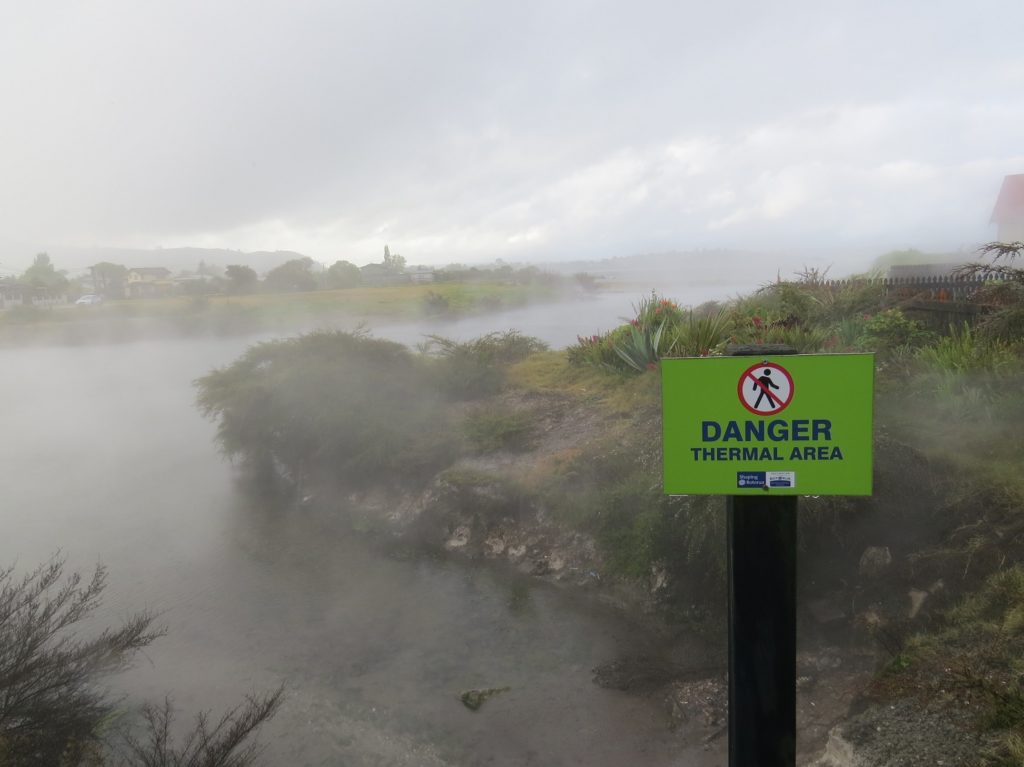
(639, 349)
(701, 335)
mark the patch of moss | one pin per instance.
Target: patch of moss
(503, 429)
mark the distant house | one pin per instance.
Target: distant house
(193, 284)
(378, 274)
(13, 293)
(420, 273)
(1008, 214)
(148, 282)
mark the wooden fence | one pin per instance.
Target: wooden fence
(946, 288)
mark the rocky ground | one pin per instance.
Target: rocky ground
(848, 625)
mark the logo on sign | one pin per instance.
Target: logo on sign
(751, 479)
(765, 388)
(780, 478)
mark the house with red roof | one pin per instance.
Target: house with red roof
(1008, 214)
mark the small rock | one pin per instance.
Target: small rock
(659, 579)
(871, 618)
(705, 701)
(874, 561)
(917, 599)
(839, 752)
(473, 699)
(459, 538)
(825, 610)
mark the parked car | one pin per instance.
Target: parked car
(89, 299)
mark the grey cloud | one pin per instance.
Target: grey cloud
(531, 129)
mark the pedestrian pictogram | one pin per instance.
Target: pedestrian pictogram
(765, 388)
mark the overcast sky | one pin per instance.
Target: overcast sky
(521, 130)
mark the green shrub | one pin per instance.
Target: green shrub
(472, 369)
(891, 329)
(848, 332)
(1005, 324)
(54, 706)
(598, 350)
(434, 303)
(654, 311)
(359, 407)
(852, 299)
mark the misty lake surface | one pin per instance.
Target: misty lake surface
(105, 458)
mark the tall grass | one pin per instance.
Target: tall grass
(702, 335)
(963, 352)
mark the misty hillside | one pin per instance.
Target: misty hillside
(720, 266)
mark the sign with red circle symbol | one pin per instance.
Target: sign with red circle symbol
(765, 388)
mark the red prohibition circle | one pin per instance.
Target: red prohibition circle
(748, 377)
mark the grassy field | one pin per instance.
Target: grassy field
(228, 313)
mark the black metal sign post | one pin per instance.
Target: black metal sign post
(762, 622)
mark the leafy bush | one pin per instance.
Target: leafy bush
(358, 407)
(342, 274)
(434, 303)
(587, 282)
(847, 332)
(1005, 324)
(51, 709)
(296, 274)
(48, 704)
(598, 350)
(653, 312)
(812, 300)
(891, 329)
(217, 744)
(472, 369)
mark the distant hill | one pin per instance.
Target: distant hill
(704, 266)
(912, 257)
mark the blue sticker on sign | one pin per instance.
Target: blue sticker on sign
(750, 478)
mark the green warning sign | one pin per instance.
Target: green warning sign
(790, 425)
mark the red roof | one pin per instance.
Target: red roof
(1010, 203)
